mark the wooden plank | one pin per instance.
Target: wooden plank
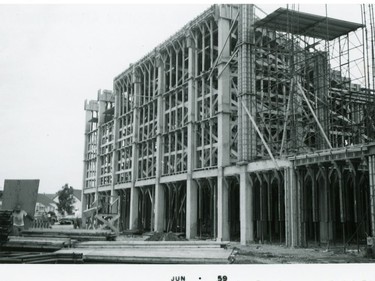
(13, 238)
(182, 244)
(73, 236)
(22, 192)
(156, 256)
(77, 232)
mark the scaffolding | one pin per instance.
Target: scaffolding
(204, 135)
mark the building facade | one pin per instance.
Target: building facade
(240, 128)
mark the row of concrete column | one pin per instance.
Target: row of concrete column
(321, 203)
(219, 200)
(330, 202)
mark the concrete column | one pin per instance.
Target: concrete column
(371, 167)
(134, 194)
(223, 129)
(115, 138)
(134, 190)
(87, 129)
(224, 96)
(191, 208)
(99, 142)
(291, 212)
(222, 208)
(324, 208)
(299, 226)
(159, 207)
(191, 185)
(159, 190)
(246, 210)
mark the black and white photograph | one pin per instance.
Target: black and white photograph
(187, 141)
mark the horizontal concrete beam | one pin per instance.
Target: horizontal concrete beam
(343, 154)
(205, 174)
(266, 165)
(123, 185)
(173, 178)
(89, 190)
(104, 188)
(145, 182)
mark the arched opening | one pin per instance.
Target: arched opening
(145, 208)
(206, 209)
(234, 209)
(175, 208)
(124, 208)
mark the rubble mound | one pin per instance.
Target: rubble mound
(170, 236)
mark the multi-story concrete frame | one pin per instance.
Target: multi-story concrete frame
(237, 128)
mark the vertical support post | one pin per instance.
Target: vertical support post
(99, 142)
(191, 208)
(115, 138)
(291, 200)
(159, 207)
(87, 129)
(246, 84)
(342, 201)
(269, 205)
(222, 208)
(287, 204)
(371, 167)
(224, 95)
(261, 207)
(191, 185)
(324, 206)
(300, 196)
(134, 190)
(246, 210)
(314, 199)
(159, 190)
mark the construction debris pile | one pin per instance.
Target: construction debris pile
(5, 225)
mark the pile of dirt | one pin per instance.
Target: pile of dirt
(170, 236)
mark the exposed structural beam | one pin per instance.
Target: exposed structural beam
(261, 136)
(228, 62)
(222, 49)
(371, 163)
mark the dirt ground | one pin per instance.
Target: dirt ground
(280, 254)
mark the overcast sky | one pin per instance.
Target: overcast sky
(54, 57)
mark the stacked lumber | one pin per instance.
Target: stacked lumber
(40, 258)
(152, 244)
(45, 244)
(77, 234)
(153, 252)
(5, 225)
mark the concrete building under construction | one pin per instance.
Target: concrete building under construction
(244, 127)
